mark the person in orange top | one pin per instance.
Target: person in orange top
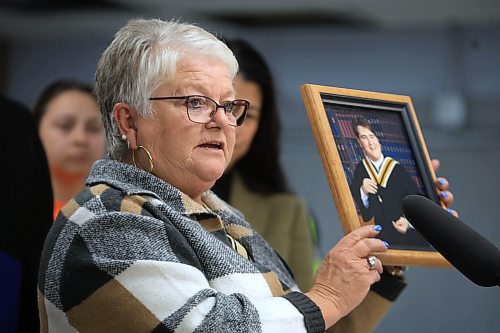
(70, 127)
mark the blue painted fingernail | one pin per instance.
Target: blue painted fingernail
(377, 227)
(441, 181)
(444, 194)
(386, 244)
(451, 211)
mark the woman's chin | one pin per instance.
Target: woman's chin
(211, 174)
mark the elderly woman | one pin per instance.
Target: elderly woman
(147, 247)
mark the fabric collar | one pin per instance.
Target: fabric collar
(135, 181)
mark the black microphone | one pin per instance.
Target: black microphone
(470, 253)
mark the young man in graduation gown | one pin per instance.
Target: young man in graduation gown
(379, 185)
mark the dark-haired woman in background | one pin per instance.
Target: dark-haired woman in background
(254, 181)
(70, 127)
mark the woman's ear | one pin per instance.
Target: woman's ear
(125, 116)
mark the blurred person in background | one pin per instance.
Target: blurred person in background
(254, 181)
(70, 127)
(26, 217)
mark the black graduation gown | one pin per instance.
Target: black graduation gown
(398, 185)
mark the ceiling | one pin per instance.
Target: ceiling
(56, 18)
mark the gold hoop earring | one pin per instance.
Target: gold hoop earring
(151, 166)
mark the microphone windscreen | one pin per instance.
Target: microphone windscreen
(468, 251)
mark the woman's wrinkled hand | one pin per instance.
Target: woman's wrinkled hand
(344, 277)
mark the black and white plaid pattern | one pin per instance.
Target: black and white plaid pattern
(133, 254)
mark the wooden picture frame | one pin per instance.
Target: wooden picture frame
(345, 146)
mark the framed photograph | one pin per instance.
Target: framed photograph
(374, 155)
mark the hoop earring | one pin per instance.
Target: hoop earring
(151, 166)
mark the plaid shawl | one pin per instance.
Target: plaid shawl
(131, 253)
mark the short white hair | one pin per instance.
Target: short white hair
(144, 54)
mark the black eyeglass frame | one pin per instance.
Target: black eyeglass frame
(224, 106)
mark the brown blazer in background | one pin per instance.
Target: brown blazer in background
(283, 221)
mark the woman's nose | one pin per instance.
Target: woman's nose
(79, 135)
(220, 117)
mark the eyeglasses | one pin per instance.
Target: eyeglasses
(202, 109)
